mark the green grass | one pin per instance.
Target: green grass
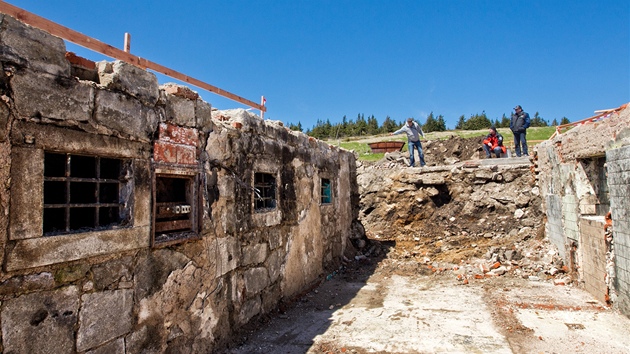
(361, 147)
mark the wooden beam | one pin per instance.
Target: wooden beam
(112, 52)
(127, 47)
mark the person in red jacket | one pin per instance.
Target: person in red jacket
(493, 143)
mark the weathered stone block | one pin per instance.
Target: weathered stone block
(28, 283)
(124, 114)
(143, 341)
(109, 273)
(274, 265)
(4, 119)
(114, 347)
(180, 91)
(203, 115)
(103, 317)
(256, 279)
(229, 254)
(41, 322)
(59, 98)
(71, 273)
(250, 309)
(43, 251)
(31, 47)
(129, 79)
(180, 111)
(151, 274)
(254, 254)
(26, 197)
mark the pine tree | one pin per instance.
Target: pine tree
(538, 121)
(441, 124)
(564, 120)
(477, 122)
(389, 125)
(460, 123)
(505, 122)
(372, 125)
(430, 124)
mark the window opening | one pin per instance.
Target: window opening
(264, 192)
(595, 170)
(83, 193)
(176, 205)
(326, 191)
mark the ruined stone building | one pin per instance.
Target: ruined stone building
(135, 218)
(585, 183)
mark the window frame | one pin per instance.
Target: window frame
(70, 205)
(260, 192)
(193, 199)
(321, 191)
(29, 141)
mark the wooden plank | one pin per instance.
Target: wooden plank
(113, 52)
(164, 226)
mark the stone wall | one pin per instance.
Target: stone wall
(131, 218)
(583, 176)
(618, 161)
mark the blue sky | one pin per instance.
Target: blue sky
(325, 59)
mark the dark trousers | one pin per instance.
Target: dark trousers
(520, 139)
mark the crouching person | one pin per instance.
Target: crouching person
(493, 143)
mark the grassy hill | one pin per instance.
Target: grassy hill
(360, 144)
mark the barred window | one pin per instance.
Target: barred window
(83, 193)
(326, 191)
(264, 192)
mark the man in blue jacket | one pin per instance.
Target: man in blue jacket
(414, 132)
(518, 124)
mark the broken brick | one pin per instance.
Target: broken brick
(178, 135)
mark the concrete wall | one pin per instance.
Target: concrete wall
(114, 289)
(593, 256)
(584, 174)
(618, 161)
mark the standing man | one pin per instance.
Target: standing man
(518, 124)
(414, 132)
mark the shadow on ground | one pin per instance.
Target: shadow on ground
(294, 325)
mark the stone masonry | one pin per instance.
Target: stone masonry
(585, 176)
(135, 218)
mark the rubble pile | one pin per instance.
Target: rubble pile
(449, 151)
(473, 221)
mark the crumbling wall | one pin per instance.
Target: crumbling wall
(583, 176)
(451, 213)
(129, 219)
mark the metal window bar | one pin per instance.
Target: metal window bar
(326, 191)
(264, 191)
(79, 194)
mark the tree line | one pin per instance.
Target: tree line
(370, 126)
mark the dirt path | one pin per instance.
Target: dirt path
(390, 306)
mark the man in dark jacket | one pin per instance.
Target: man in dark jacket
(493, 143)
(518, 124)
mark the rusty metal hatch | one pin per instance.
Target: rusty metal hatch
(176, 205)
